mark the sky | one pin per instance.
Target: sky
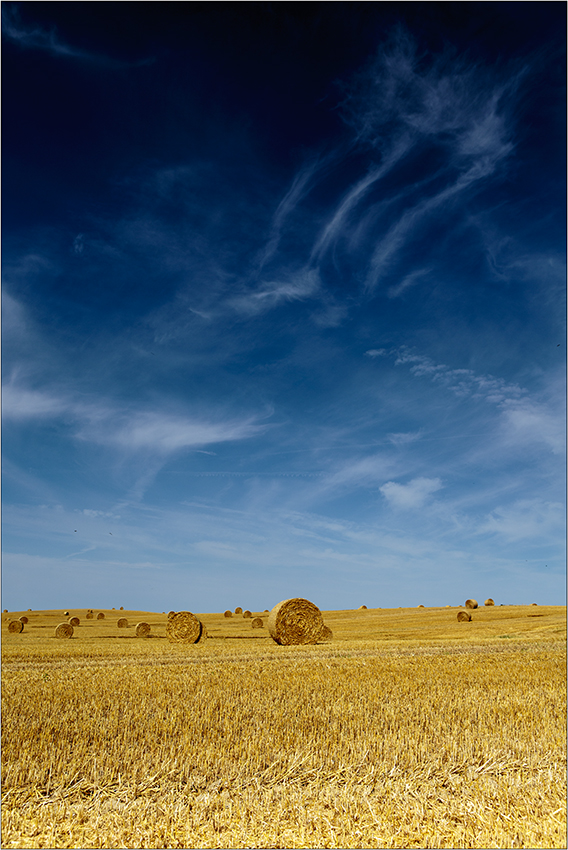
(283, 304)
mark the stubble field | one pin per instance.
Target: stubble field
(406, 729)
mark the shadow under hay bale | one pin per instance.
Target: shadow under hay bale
(75, 621)
(64, 630)
(100, 616)
(122, 623)
(464, 617)
(228, 614)
(489, 603)
(203, 634)
(142, 630)
(184, 627)
(471, 603)
(15, 627)
(247, 615)
(295, 621)
(257, 623)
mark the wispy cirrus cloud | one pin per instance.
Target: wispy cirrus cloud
(411, 495)
(50, 41)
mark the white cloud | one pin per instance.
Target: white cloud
(411, 495)
(19, 403)
(525, 520)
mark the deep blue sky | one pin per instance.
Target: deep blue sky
(283, 304)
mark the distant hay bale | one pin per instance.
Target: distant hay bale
(238, 610)
(142, 630)
(64, 630)
(66, 613)
(266, 611)
(471, 603)
(89, 615)
(122, 623)
(489, 602)
(247, 615)
(29, 609)
(183, 627)
(15, 627)
(100, 616)
(362, 607)
(464, 616)
(23, 619)
(5, 611)
(228, 614)
(171, 614)
(122, 607)
(75, 621)
(257, 623)
(421, 606)
(534, 603)
(295, 621)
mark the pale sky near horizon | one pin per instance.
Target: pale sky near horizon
(283, 304)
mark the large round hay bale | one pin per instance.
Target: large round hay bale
(489, 602)
(238, 610)
(464, 616)
(326, 634)
(100, 616)
(122, 623)
(89, 615)
(183, 627)
(228, 614)
(471, 603)
(247, 615)
(75, 621)
(23, 619)
(295, 621)
(15, 627)
(142, 629)
(64, 630)
(257, 623)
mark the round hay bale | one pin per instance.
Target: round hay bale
(238, 610)
(23, 619)
(266, 611)
(327, 634)
(75, 621)
(122, 607)
(142, 630)
(489, 602)
(66, 613)
(64, 630)
(122, 623)
(5, 611)
(89, 615)
(295, 621)
(471, 603)
(171, 614)
(202, 634)
(183, 627)
(421, 606)
(464, 616)
(362, 607)
(247, 615)
(15, 627)
(534, 603)
(100, 616)
(257, 623)
(29, 609)
(228, 614)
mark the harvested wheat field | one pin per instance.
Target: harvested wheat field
(406, 728)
